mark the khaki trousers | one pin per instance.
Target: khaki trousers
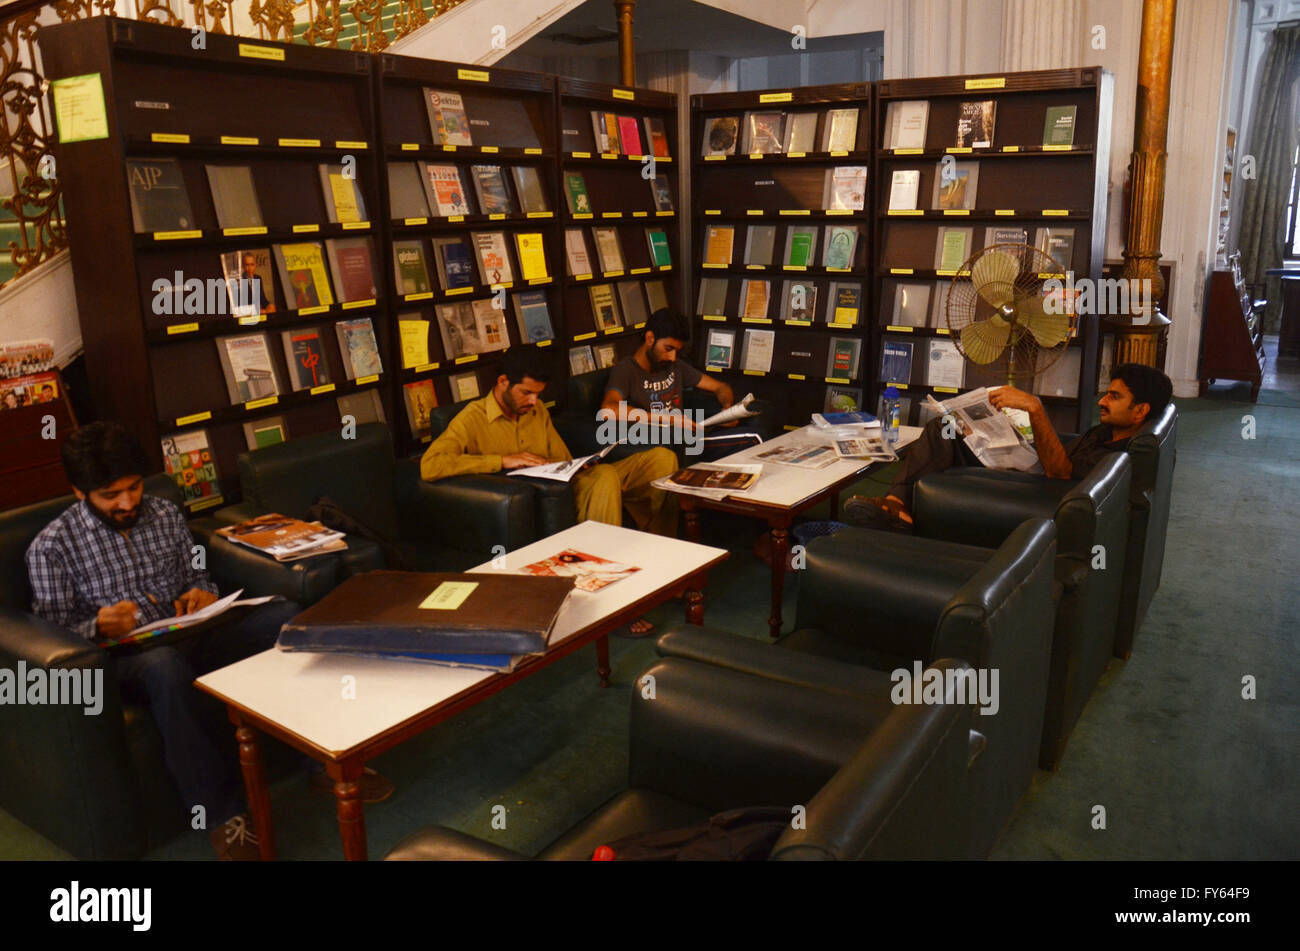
(602, 491)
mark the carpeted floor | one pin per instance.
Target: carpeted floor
(1184, 767)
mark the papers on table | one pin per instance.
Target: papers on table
(805, 455)
(726, 482)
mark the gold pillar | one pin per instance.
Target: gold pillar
(626, 44)
(1140, 331)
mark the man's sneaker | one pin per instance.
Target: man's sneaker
(375, 787)
(235, 840)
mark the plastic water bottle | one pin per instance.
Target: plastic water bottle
(891, 417)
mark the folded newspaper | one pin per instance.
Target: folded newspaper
(989, 433)
(712, 480)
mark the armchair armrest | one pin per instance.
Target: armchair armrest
(440, 844)
(472, 513)
(975, 506)
(232, 567)
(42, 643)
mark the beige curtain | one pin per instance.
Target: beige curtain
(1272, 142)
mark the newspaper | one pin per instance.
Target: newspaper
(724, 485)
(989, 434)
(738, 410)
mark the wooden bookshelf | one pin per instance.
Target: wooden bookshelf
(1022, 183)
(750, 188)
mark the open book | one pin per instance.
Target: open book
(991, 435)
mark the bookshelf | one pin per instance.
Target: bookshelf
(1022, 176)
(511, 126)
(628, 188)
(155, 309)
(768, 204)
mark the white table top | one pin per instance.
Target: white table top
(785, 485)
(304, 692)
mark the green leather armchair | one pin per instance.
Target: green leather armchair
(878, 781)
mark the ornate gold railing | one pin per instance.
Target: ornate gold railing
(31, 218)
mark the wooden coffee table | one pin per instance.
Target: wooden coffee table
(782, 493)
(345, 710)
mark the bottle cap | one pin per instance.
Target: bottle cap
(891, 392)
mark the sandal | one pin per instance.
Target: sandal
(884, 514)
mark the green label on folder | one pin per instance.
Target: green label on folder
(449, 595)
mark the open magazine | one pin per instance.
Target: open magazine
(284, 538)
(712, 480)
(590, 572)
(989, 434)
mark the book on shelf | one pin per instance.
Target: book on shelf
(955, 184)
(493, 259)
(459, 330)
(350, 262)
(532, 255)
(455, 263)
(896, 361)
(528, 186)
(938, 306)
(304, 355)
(599, 132)
(17, 392)
(269, 431)
(719, 349)
(845, 355)
(249, 284)
(632, 301)
(575, 193)
(464, 386)
(720, 135)
(581, 360)
(945, 366)
(189, 460)
(444, 189)
(754, 297)
(905, 124)
(364, 406)
(763, 132)
(160, 200)
(344, 203)
(662, 193)
(420, 398)
(490, 321)
(841, 245)
(656, 296)
(975, 122)
(760, 243)
(799, 301)
(358, 347)
(1058, 125)
(413, 333)
(999, 234)
(842, 399)
(801, 354)
(713, 296)
(656, 240)
(447, 119)
(718, 240)
(248, 368)
(911, 305)
(575, 251)
(656, 136)
(604, 308)
(1058, 373)
(233, 196)
(629, 136)
(491, 191)
(302, 274)
(406, 191)
(800, 246)
(800, 132)
(756, 350)
(845, 302)
(612, 137)
(606, 356)
(845, 188)
(410, 268)
(841, 131)
(951, 248)
(533, 317)
(609, 249)
(904, 185)
(1057, 243)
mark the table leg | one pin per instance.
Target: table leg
(259, 798)
(602, 659)
(780, 552)
(352, 819)
(694, 606)
(692, 515)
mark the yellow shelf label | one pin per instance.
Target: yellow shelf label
(664, 158)
(839, 270)
(945, 272)
(1058, 148)
(425, 367)
(897, 386)
(909, 151)
(776, 97)
(205, 504)
(795, 211)
(300, 143)
(176, 235)
(364, 380)
(255, 319)
(956, 211)
(639, 270)
(755, 320)
(466, 359)
(581, 154)
(1045, 275)
(582, 215)
(798, 323)
(1010, 148)
(455, 218)
(899, 329)
(350, 144)
(665, 214)
(838, 325)
(308, 311)
(612, 330)
(839, 211)
(323, 388)
(715, 158)
(179, 138)
(489, 149)
(796, 154)
(839, 153)
(609, 155)
(264, 401)
(628, 94)
(534, 281)
(355, 225)
(611, 214)
(901, 270)
(182, 328)
(449, 148)
(838, 379)
(545, 343)
(195, 418)
(410, 146)
(796, 376)
(253, 51)
(306, 229)
(713, 211)
(755, 155)
(612, 274)
(712, 264)
(639, 214)
(794, 267)
(541, 214)
(995, 82)
(945, 389)
(665, 267)
(1055, 212)
(753, 373)
(943, 331)
(959, 150)
(504, 285)
(582, 277)
(638, 326)
(354, 304)
(587, 336)
(497, 216)
(755, 267)
(239, 140)
(415, 221)
(235, 232)
(474, 75)
(532, 151)
(1004, 212)
(896, 212)
(715, 317)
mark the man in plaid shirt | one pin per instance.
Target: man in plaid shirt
(118, 559)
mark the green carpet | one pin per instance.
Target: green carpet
(1184, 767)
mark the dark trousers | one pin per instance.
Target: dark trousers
(164, 677)
(931, 452)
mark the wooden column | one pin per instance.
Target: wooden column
(626, 43)
(1140, 333)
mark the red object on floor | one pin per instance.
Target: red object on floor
(603, 853)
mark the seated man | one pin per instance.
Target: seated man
(1136, 392)
(119, 559)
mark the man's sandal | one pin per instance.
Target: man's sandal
(884, 514)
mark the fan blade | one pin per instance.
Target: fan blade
(1048, 329)
(984, 340)
(994, 277)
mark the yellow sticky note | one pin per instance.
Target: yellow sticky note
(449, 595)
(79, 108)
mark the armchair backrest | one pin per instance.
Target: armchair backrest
(1154, 452)
(1094, 511)
(355, 473)
(586, 391)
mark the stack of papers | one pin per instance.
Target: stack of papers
(283, 538)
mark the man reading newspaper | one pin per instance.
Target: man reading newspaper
(972, 433)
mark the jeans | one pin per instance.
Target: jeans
(164, 677)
